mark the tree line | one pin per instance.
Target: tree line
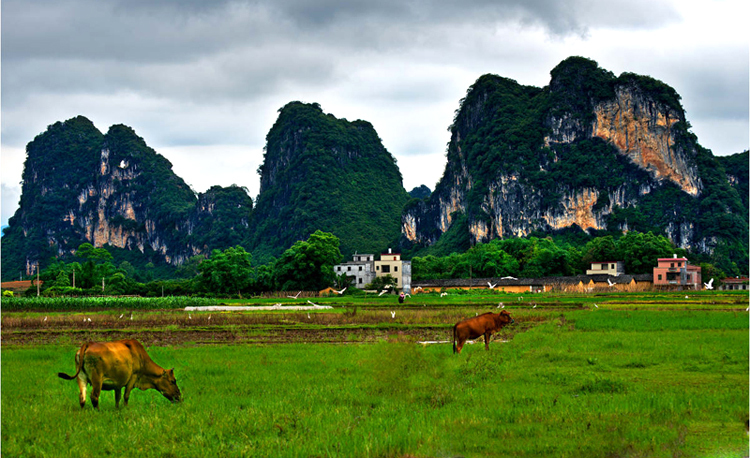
(309, 265)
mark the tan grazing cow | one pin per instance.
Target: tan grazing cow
(114, 365)
(485, 324)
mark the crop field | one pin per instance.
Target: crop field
(636, 375)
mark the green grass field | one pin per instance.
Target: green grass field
(580, 383)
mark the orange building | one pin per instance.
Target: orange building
(677, 273)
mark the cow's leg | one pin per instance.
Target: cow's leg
(96, 390)
(82, 389)
(460, 345)
(118, 395)
(128, 389)
(487, 340)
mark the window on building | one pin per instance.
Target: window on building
(659, 277)
(360, 281)
(604, 267)
(672, 265)
(612, 266)
(349, 269)
(386, 269)
(679, 264)
(395, 268)
(360, 268)
(338, 268)
(377, 267)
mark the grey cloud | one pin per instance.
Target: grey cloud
(174, 30)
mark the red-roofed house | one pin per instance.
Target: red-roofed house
(677, 273)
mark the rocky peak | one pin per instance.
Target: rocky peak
(591, 150)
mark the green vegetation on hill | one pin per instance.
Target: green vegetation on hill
(222, 218)
(737, 168)
(420, 192)
(324, 173)
(60, 166)
(162, 194)
(76, 180)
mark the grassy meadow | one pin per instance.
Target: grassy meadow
(588, 382)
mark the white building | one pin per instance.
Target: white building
(363, 268)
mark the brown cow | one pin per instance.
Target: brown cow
(484, 324)
(114, 365)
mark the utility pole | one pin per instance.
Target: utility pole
(37, 279)
(74, 277)
(102, 285)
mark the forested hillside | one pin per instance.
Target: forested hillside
(329, 174)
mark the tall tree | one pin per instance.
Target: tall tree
(227, 272)
(308, 265)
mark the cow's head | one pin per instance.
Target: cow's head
(166, 384)
(503, 319)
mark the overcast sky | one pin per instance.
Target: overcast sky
(201, 81)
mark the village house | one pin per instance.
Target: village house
(614, 268)
(734, 284)
(677, 273)
(361, 268)
(364, 269)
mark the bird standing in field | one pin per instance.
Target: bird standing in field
(393, 314)
(501, 305)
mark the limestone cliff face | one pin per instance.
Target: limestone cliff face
(580, 152)
(109, 190)
(643, 131)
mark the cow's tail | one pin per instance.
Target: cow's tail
(454, 338)
(79, 364)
